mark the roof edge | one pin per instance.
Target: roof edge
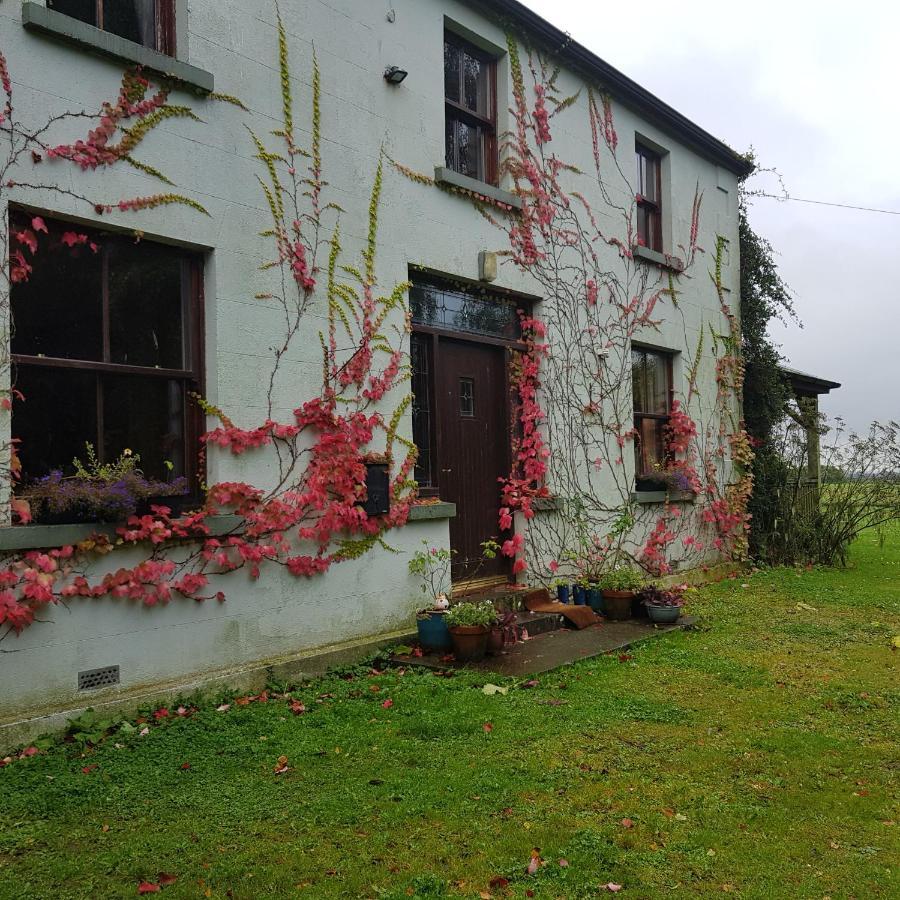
(620, 85)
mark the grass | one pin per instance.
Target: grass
(756, 756)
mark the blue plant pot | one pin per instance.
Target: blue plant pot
(433, 631)
(595, 599)
(580, 595)
(562, 593)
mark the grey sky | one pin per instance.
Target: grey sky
(813, 88)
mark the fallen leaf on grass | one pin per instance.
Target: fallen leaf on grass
(148, 887)
(564, 864)
(492, 689)
(532, 683)
(895, 642)
(144, 731)
(185, 766)
(164, 878)
(86, 770)
(627, 823)
(535, 862)
(612, 887)
(488, 727)
(498, 882)
(387, 703)
(161, 713)
(223, 708)
(281, 766)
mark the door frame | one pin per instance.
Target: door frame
(508, 346)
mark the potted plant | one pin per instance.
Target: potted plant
(470, 626)
(432, 566)
(504, 633)
(619, 586)
(663, 606)
(563, 589)
(98, 492)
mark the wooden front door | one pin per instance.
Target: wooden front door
(472, 449)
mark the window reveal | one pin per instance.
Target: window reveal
(649, 198)
(470, 91)
(651, 380)
(150, 23)
(106, 348)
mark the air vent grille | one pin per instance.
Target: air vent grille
(91, 679)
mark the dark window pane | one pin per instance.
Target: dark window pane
(467, 397)
(467, 149)
(452, 56)
(146, 416)
(658, 383)
(83, 10)
(651, 446)
(450, 139)
(134, 20)
(421, 409)
(638, 381)
(146, 293)
(457, 310)
(58, 310)
(475, 83)
(58, 416)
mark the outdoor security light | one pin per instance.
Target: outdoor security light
(395, 75)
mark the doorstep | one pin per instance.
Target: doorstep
(560, 647)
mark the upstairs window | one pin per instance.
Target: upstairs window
(470, 101)
(150, 23)
(106, 350)
(651, 381)
(649, 198)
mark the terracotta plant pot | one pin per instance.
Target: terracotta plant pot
(495, 642)
(618, 604)
(470, 642)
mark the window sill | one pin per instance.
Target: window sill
(663, 260)
(41, 20)
(663, 497)
(41, 537)
(448, 177)
(425, 511)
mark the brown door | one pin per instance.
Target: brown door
(473, 449)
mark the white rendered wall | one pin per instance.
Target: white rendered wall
(420, 225)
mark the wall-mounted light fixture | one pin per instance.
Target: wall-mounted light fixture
(395, 75)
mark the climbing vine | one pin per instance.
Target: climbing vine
(576, 236)
(313, 516)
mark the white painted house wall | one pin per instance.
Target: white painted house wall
(354, 41)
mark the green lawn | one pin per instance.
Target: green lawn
(758, 756)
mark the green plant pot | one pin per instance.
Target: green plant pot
(664, 615)
(618, 604)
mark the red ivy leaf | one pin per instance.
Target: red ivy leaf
(148, 887)
(387, 704)
(488, 727)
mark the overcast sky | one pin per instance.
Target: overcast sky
(812, 87)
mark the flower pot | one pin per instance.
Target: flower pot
(433, 632)
(663, 615)
(595, 599)
(470, 642)
(562, 593)
(580, 598)
(496, 642)
(618, 604)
